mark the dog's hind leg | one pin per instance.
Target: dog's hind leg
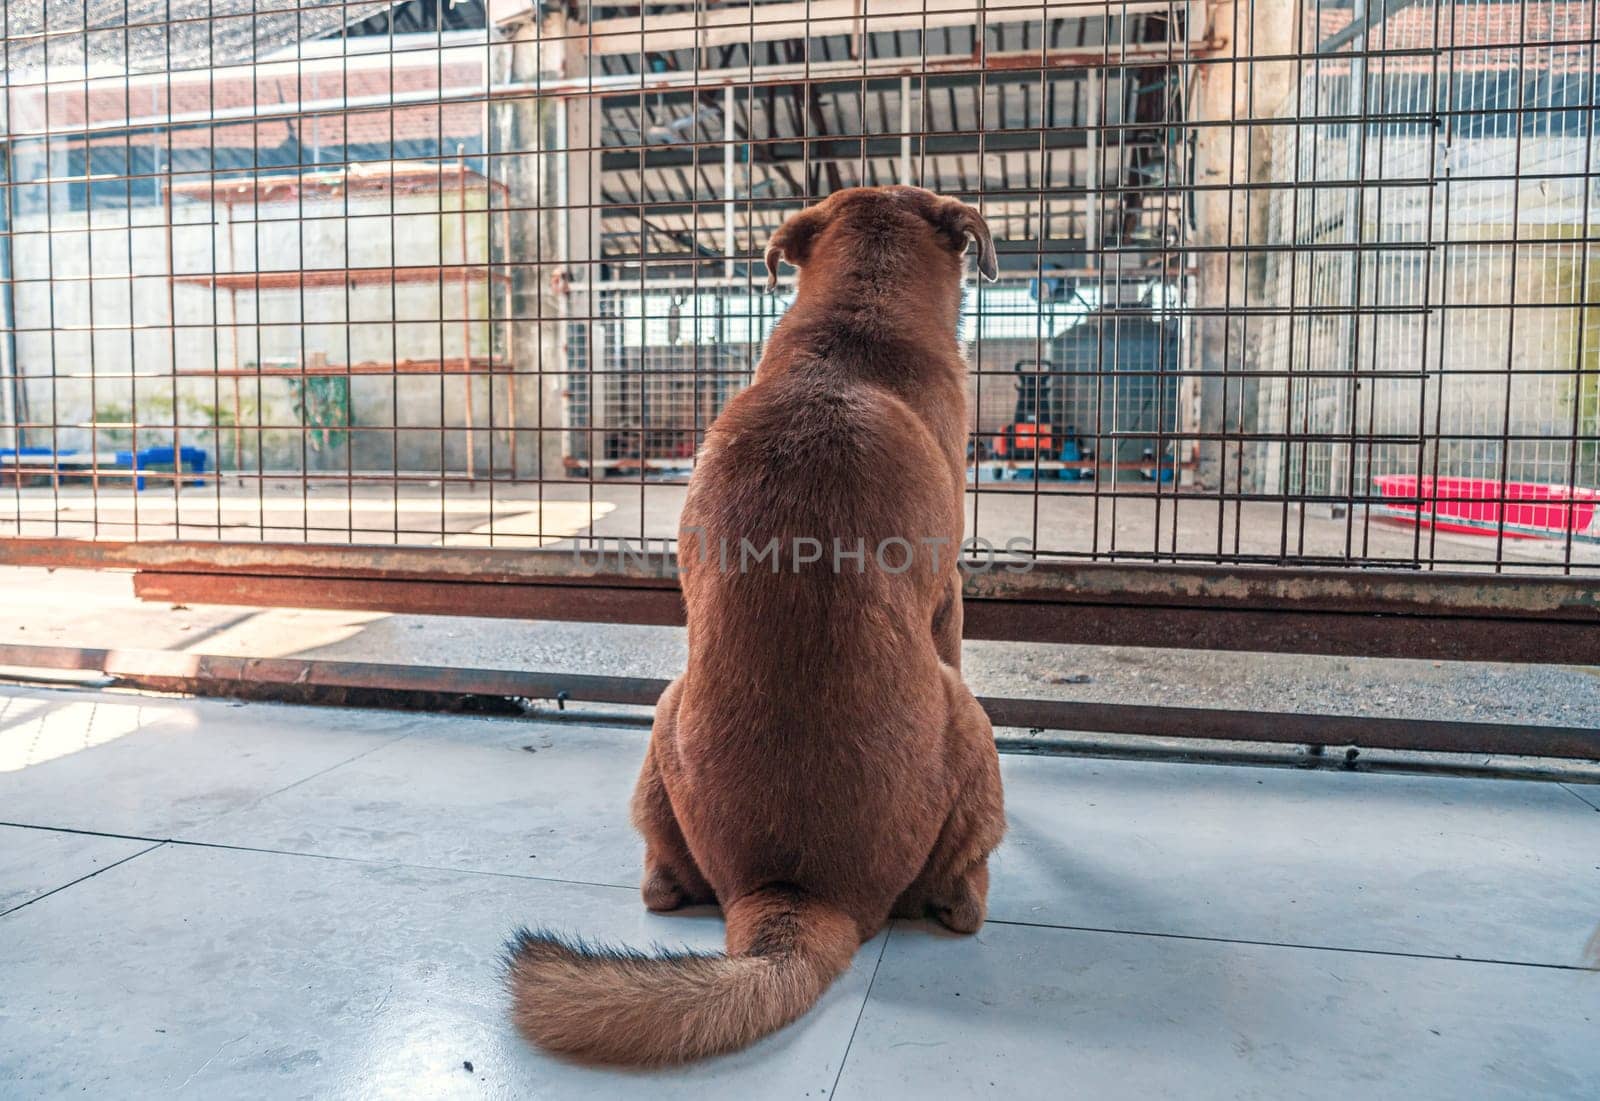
(947, 623)
(953, 887)
(671, 877)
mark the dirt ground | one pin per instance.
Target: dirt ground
(1130, 521)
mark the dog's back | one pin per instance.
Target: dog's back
(814, 702)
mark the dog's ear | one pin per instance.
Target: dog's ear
(792, 242)
(960, 222)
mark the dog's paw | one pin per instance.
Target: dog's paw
(661, 893)
(962, 916)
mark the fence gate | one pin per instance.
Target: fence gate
(426, 306)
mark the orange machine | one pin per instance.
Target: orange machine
(1030, 435)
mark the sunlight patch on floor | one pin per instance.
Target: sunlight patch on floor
(33, 731)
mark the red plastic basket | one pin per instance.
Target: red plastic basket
(1479, 506)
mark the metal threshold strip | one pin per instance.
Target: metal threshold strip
(297, 680)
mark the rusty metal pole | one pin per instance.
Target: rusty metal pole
(233, 339)
(907, 169)
(172, 323)
(511, 344)
(729, 235)
(466, 310)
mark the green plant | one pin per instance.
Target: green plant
(322, 402)
(113, 423)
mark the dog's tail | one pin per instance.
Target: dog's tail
(611, 1006)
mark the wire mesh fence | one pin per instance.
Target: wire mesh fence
(1281, 281)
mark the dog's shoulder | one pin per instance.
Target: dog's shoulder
(812, 413)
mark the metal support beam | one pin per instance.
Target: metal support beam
(700, 28)
(759, 76)
(1376, 613)
(907, 173)
(1091, 196)
(582, 179)
(12, 404)
(730, 236)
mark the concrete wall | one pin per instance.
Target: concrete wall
(1494, 342)
(1250, 96)
(1492, 370)
(94, 344)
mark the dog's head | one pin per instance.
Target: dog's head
(868, 228)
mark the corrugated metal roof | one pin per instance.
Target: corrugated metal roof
(140, 36)
(1020, 139)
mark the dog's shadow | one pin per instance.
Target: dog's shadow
(982, 983)
(698, 910)
(1038, 871)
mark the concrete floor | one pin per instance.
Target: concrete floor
(227, 900)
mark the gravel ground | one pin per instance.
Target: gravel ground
(98, 609)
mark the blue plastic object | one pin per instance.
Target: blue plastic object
(1072, 453)
(188, 460)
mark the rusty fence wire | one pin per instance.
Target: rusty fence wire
(1282, 282)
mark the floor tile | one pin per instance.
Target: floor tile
(1023, 1012)
(482, 794)
(152, 766)
(221, 973)
(1496, 869)
(36, 862)
(1425, 864)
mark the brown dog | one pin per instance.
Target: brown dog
(821, 766)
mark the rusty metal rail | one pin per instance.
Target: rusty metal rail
(297, 680)
(1438, 616)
